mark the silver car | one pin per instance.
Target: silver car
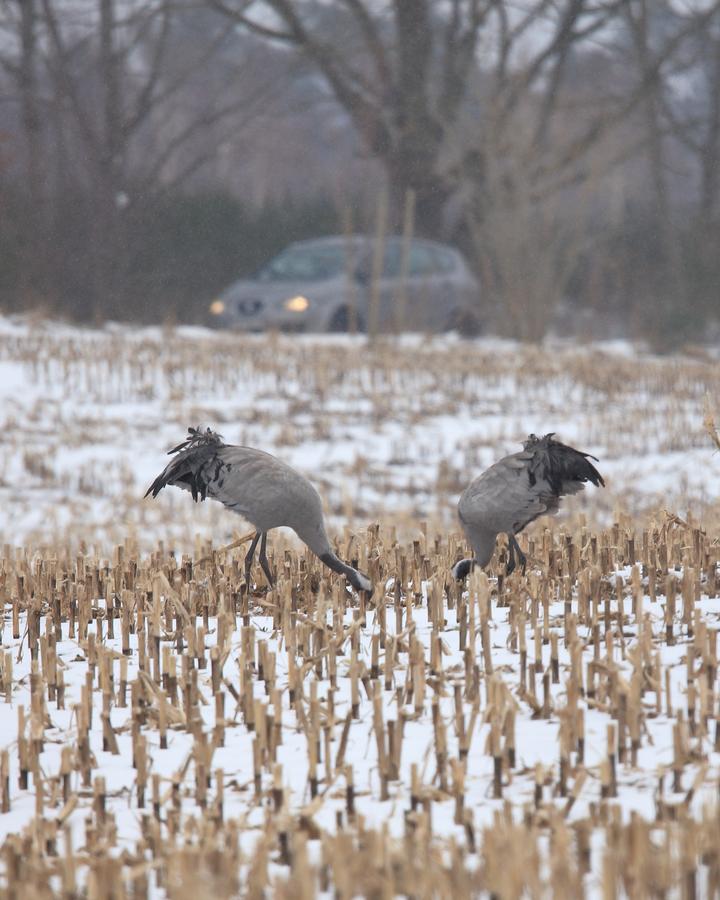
(326, 285)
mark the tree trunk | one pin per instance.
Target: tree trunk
(107, 243)
(710, 156)
(33, 225)
(431, 196)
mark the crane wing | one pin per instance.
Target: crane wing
(503, 499)
(263, 489)
(254, 484)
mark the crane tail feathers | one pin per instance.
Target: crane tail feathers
(186, 469)
(561, 465)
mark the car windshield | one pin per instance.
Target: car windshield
(316, 263)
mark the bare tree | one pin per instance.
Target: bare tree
(475, 105)
(19, 25)
(536, 163)
(413, 74)
(20, 20)
(398, 71)
(679, 117)
(126, 148)
(122, 100)
(683, 107)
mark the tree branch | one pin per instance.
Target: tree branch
(257, 28)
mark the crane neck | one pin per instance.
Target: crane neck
(317, 540)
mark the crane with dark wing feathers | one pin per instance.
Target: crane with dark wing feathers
(515, 491)
(260, 488)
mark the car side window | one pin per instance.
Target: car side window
(444, 260)
(422, 261)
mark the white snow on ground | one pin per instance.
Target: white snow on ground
(394, 431)
(389, 434)
(536, 738)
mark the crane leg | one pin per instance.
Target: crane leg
(511, 556)
(515, 550)
(249, 558)
(264, 560)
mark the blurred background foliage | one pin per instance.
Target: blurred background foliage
(151, 152)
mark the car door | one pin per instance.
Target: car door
(381, 294)
(416, 292)
(404, 292)
(430, 294)
(421, 296)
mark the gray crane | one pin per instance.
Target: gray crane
(514, 491)
(260, 488)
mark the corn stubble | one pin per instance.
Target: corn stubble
(618, 627)
(422, 419)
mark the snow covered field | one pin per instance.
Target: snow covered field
(389, 434)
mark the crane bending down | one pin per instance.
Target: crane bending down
(514, 491)
(259, 487)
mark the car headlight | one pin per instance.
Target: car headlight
(297, 304)
(217, 307)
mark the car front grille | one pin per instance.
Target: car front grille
(250, 307)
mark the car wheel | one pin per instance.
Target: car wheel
(465, 321)
(341, 320)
